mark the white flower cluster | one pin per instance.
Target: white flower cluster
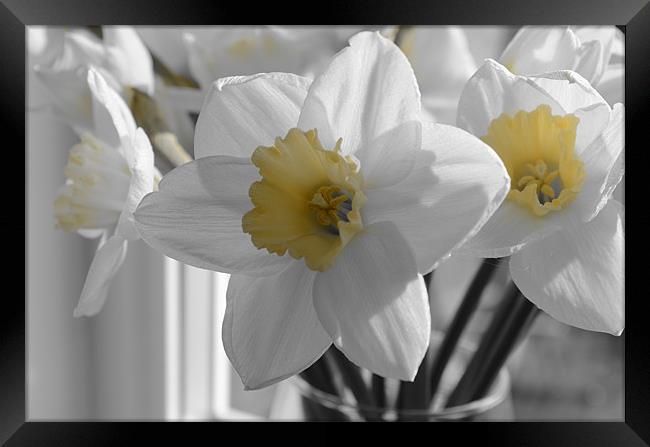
(329, 177)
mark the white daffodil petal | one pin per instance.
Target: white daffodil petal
(44, 44)
(368, 97)
(196, 217)
(167, 44)
(442, 62)
(604, 165)
(536, 50)
(457, 183)
(577, 276)
(271, 330)
(185, 98)
(593, 121)
(244, 112)
(111, 113)
(141, 183)
(392, 156)
(430, 48)
(618, 45)
(590, 61)
(507, 231)
(493, 90)
(174, 104)
(107, 261)
(129, 58)
(577, 96)
(374, 304)
(70, 95)
(569, 89)
(91, 233)
(82, 48)
(612, 84)
(606, 36)
(199, 60)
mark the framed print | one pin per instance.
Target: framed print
(407, 212)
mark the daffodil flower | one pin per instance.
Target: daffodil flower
(442, 62)
(326, 201)
(107, 175)
(120, 57)
(593, 52)
(562, 145)
(167, 44)
(216, 52)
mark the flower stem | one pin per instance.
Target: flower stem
(379, 390)
(513, 317)
(148, 115)
(170, 77)
(168, 145)
(351, 375)
(464, 313)
(319, 376)
(525, 314)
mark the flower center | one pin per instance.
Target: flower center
(331, 205)
(97, 184)
(308, 201)
(538, 150)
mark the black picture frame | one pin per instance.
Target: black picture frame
(633, 16)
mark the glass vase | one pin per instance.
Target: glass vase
(297, 400)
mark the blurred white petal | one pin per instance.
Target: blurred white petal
(129, 58)
(114, 122)
(108, 259)
(442, 62)
(167, 44)
(70, 95)
(217, 52)
(536, 50)
(44, 44)
(142, 180)
(612, 84)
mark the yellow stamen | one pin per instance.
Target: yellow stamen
(525, 180)
(538, 150)
(548, 190)
(308, 201)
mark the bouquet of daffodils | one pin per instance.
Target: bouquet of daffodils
(331, 170)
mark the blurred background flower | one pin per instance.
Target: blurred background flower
(596, 53)
(107, 175)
